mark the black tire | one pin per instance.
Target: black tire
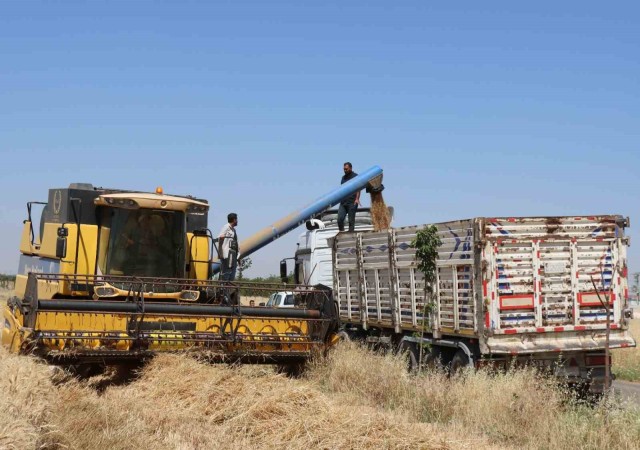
(459, 362)
(581, 393)
(120, 375)
(85, 371)
(294, 370)
(409, 350)
(344, 336)
(432, 358)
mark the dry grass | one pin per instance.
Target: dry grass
(353, 399)
(4, 296)
(179, 403)
(519, 408)
(626, 361)
(25, 399)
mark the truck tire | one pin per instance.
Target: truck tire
(409, 351)
(582, 393)
(344, 336)
(459, 362)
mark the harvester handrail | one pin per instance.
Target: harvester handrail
(100, 280)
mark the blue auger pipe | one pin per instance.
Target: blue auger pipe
(371, 179)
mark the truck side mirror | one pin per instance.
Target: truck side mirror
(283, 271)
(61, 243)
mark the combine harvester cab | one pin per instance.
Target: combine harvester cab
(113, 276)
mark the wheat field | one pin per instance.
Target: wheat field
(626, 361)
(4, 296)
(352, 399)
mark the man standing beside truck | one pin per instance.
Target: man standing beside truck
(228, 248)
(349, 205)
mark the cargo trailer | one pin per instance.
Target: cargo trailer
(517, 289)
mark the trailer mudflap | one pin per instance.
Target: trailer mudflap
(555, 342)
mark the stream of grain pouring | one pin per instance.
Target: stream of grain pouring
(379, 212)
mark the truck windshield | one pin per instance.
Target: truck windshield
(278, 299)
(142, 242)
(273, 299)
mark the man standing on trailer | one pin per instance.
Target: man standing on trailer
(350, 204)
(228, 248)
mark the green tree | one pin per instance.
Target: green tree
(243, 264)
(635, 288)
(7, 281)
(426, 244)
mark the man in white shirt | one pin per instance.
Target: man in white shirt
(228, 248)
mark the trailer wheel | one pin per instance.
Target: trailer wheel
(581, 392)
(459, 362)
(409, 351)
(344, 336)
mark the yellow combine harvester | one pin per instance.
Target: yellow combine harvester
(112, 276)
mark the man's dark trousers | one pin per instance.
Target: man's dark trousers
(350, 209)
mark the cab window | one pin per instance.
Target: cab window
(141, 242)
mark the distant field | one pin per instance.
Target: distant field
(4, 295)
(626, 361)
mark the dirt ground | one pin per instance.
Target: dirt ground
(246, 300)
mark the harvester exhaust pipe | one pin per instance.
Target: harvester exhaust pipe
(370, 179)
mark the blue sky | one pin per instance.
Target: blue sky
(472, 109)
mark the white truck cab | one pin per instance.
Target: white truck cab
(283, 299)
(313, 260)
